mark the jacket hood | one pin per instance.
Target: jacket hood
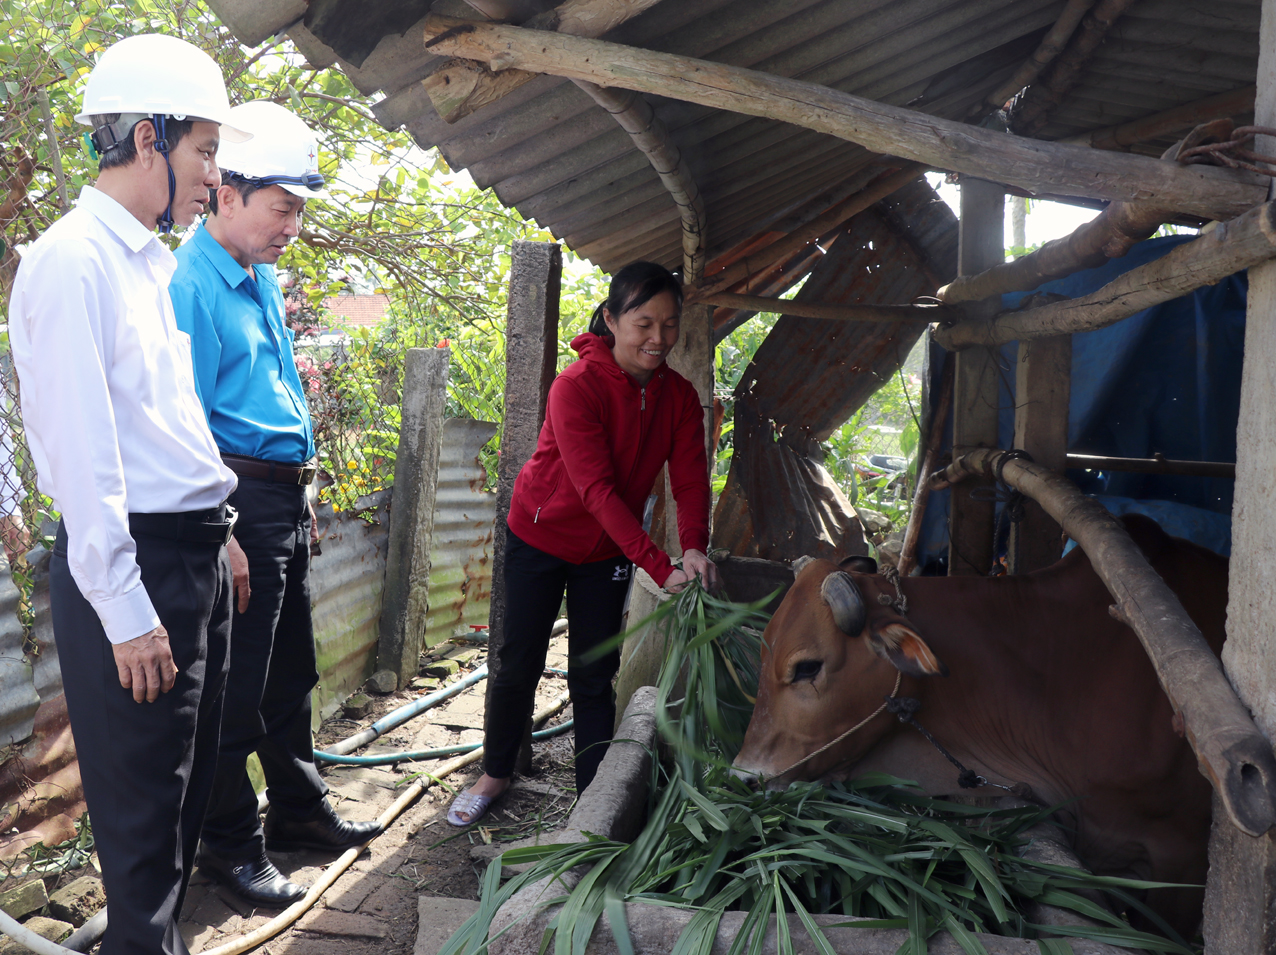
(597, 349)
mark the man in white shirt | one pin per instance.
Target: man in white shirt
(139, 579)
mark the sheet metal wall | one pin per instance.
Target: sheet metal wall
(461, 547)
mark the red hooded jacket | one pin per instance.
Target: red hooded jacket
(580, 497)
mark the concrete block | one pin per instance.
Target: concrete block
(24, 899)
(612, 805)
(358, 706)
(441, 669)
(463, 655)
(78, 901)
(437, 920)
(53, 929)
(383, 682)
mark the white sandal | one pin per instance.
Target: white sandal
(472, 805)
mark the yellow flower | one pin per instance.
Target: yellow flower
(352, 465)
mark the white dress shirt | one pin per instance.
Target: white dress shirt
(108, 398)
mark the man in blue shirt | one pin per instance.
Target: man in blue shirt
(227, 299)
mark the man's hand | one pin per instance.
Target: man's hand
(314, 524)
(239, 574)
(146, 665)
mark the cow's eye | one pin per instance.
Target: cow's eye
(806, 670)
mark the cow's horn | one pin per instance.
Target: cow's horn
(843, 597)
(800, 563)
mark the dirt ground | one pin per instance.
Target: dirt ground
(373, 907)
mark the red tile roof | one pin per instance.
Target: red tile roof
(365, 310)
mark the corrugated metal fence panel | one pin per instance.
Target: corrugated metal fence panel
(18, 697)
(461, 552)
(346, 581)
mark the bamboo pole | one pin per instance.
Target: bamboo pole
(1033, 111)
(1225, 250)
(1154, 465)
(636, 117)
(1232, 753)
(921, 493)
(1052, 45)
(1029, 164)
(841, 313)
(458, 87)
(1232, 103)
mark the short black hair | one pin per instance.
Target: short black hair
(125, 151)
(245, 188)
(635, 285)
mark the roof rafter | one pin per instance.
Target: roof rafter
(1026, 163)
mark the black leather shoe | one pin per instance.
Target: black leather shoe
(327, 832)
(256, 880)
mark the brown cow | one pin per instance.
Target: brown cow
(1026, 680)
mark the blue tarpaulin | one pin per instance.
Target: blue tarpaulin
(1166, 380)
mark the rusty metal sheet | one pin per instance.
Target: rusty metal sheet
(346, 582)
(460, 587)
(811, 375)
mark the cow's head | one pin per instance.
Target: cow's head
(830, 655)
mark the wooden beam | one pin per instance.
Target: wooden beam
(1109, 235)
(741, 269)
(976, 379)
(1051, 46)
(1223, 251)
(841, 313)
(1240, 890)
(1033, 110)
(636, 117)
(460, 87)
(1232, 753)
(1029, 164)
(1043, 385)
(1232, 103)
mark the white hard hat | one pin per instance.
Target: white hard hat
(283, 150)
(153, 74)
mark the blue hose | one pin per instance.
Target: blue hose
(382, 759)
(402, 715)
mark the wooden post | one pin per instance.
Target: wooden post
(981, 244)
(416, 467)
(1043, 385)
(1240, 893)
(531, 358)
(692, 358)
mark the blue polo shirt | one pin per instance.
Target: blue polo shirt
(242, 353)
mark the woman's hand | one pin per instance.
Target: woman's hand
(694, 564)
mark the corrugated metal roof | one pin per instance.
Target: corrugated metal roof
(550, 152)
(461, 547)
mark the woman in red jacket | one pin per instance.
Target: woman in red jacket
(614, 419)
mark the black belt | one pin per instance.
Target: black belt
(201, 527)
(271, 471)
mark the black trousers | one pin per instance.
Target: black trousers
(534, 585)
(147, 768)
(272, 671)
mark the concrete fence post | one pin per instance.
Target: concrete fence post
(531, 361)
(416, 466)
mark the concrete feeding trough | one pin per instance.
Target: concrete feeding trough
(614, 807)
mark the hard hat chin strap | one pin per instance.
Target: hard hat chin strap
(165, 221)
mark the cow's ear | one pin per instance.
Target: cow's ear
(902, 645)
(859, 564)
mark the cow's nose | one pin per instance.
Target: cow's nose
(752, 780)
